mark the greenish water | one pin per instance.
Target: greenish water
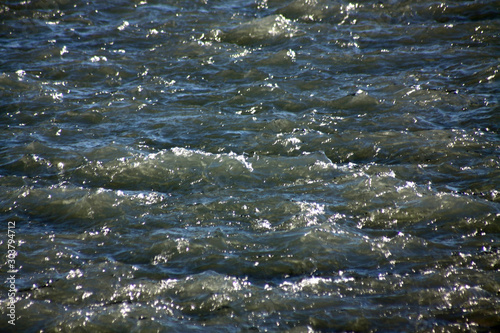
(249, 166)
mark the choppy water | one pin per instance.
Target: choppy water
(250, 166)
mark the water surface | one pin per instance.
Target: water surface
(251, 166)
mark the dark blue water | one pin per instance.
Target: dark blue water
(249, 166)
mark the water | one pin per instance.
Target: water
(250, 166)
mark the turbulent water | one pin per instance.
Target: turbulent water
(249, 166)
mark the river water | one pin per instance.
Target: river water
(250, 166)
